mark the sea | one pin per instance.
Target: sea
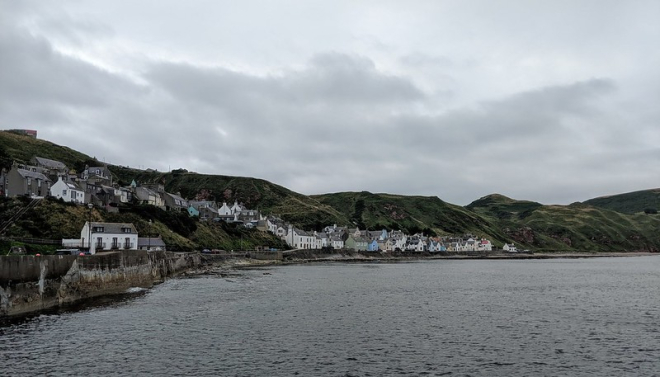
(558, 317)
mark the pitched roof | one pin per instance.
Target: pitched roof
(175, 196)
(115, 227)
(51, 164)
(151, 241)
(72, 186)
(32, 174)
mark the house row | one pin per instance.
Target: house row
(370, 241)
(45, 177)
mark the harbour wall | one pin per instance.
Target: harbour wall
(33, 283)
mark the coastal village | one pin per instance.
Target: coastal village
(94, 187)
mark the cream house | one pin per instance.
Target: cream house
(109, 236)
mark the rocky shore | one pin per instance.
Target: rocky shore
(223, 265)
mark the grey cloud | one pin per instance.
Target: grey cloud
(38, 80)
(333, 78)
(418, 59)
(339, 122)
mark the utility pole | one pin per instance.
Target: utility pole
(89, 225)
(149, 237)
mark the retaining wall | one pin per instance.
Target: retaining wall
(31, 283)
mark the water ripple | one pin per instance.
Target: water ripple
(458, 318)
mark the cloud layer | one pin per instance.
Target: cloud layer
(527, 109)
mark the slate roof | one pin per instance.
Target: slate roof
(51, 164)
(153, 242)
(202, 203)
(175, 196)
(301, 233)
(32, 174)
(115, 228)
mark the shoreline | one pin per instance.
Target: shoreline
(247, 263)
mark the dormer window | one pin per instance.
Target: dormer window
(126, 230)
(98, 229)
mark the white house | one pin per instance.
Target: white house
(225, 210)
(485, 245)
(67, 191)
(109, 236)
(236, 208)
(470, 245)
(336, 241)
(509, 248)
(299, 239)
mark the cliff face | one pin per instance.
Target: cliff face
(29, 283)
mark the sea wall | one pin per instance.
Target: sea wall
(33, 283)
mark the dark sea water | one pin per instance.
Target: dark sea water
(563, 317)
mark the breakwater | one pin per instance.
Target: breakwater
(33, 283)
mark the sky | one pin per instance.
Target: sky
(551, 101)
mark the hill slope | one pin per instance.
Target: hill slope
(268, 197)
(409, 213)
(574, 227)
(631, 202)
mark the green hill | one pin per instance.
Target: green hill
(573, 227)
(268, 197)
(409, 213)
(632, 202)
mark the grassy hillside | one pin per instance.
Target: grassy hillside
(53, 219)
(574, 227)
(268, 197)
(410, 213)
(632, 202)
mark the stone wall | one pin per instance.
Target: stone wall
(31, 283)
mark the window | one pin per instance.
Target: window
(99, 242)
(126, 230)
(98, 229)
(63, 192)
(115, 244)
(29, 180)
(127, 243)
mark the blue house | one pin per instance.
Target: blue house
(372, 246)
(192, 211)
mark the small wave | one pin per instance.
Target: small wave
(135, 290)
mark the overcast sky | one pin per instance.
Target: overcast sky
(552, 101)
